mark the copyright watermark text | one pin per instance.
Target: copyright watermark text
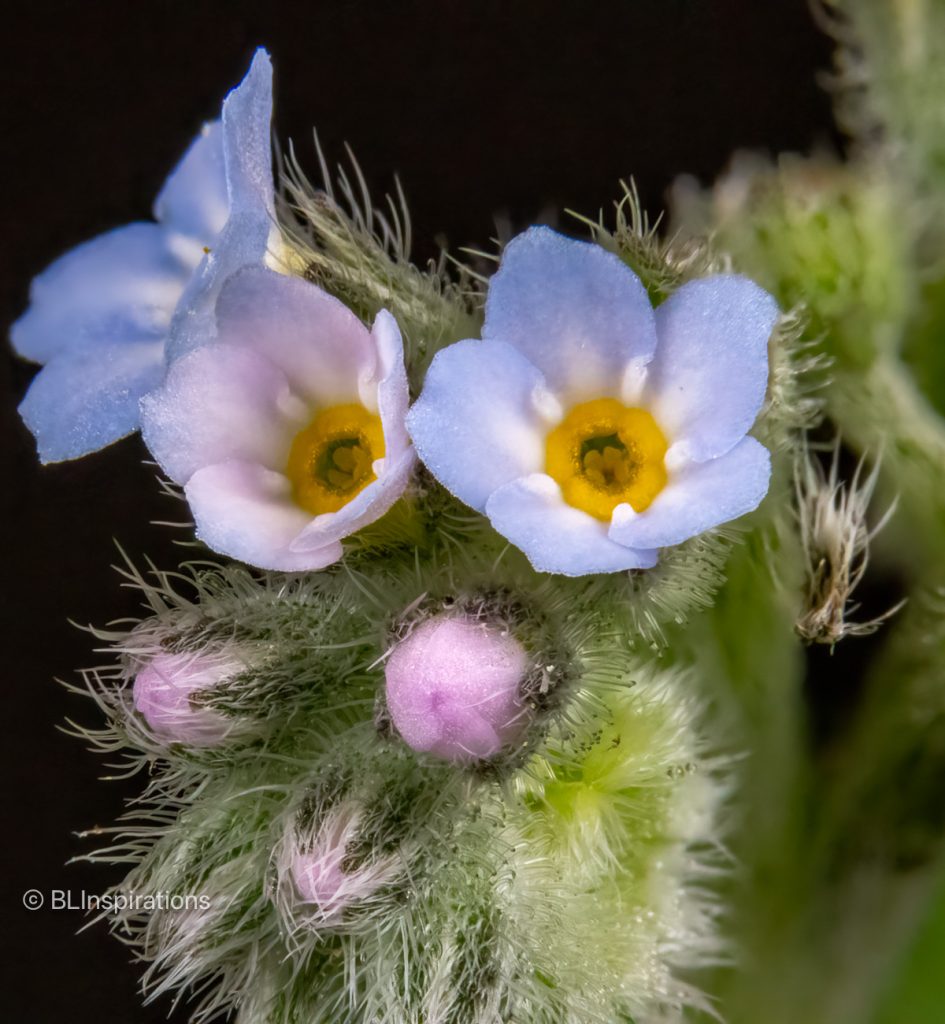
(112, 902)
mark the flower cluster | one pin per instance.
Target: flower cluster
(424, 751)
(482, 702)
(590, 429)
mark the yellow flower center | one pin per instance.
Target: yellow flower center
(603, 454)
(331, 459)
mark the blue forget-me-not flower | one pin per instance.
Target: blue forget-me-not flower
(591, 429)
(105, 317)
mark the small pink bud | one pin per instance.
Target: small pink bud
(454, 688)
(318, 875)
(162, 693)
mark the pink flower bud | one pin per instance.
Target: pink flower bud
(454, 688)
(162, 694)
(318, 875)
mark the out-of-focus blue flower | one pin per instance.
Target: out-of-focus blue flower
(103, 317)
(285, 423)
(589, 428)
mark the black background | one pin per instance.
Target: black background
(482, 108)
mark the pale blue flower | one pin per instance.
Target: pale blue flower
(591, 429)
(101, 316)
(285, 423)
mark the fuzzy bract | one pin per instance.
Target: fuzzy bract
(591, 429)
(285, 424)
(454, 688)
(103, 317)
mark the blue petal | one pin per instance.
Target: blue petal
(708, 379)
(194, 199)
(244, 241)
(574, 309)
(121, 286)
(247, 140)
(475, 425)
(701, 496)
(86, 398)
(557, 538)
